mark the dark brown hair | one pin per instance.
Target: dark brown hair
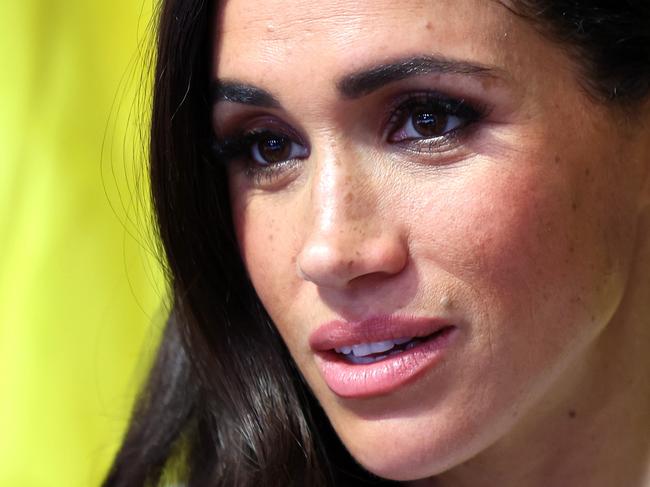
(224, 404)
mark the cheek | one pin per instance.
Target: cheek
(269, 247)
(536, 280)
(532, 251)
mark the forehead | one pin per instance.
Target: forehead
(269, 40)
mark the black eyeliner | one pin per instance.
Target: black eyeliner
(457, 107)
(228, 149)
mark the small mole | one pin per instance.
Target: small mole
(429, 25)
(574, 206)
(587, 172)
(571, 249)
(572, 413)
(350, 263)
(557, 159)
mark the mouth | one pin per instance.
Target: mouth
(369, 353)
(380, 355)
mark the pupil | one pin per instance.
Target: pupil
(427, 123)
(275, 148)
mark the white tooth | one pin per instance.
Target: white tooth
(378, 347)
(344, 350)
(361, 350)
(361, 360)
(401, 341)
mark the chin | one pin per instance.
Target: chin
(409, 449)
(403, 464)
(425, 438)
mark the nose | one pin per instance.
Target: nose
(350, 232)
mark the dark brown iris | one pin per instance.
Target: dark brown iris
(274, 148)
(427, 123)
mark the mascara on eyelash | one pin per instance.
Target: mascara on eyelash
(439, 102)
(230, 149)
(227, 149)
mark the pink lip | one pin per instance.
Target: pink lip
(365, 380)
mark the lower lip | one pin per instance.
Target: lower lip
(384, 376)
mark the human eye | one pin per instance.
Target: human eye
(431, 122)
(264, 154)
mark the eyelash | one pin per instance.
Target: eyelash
(240, 147)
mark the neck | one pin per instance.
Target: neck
(596, 430)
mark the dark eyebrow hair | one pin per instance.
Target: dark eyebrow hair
(363, 82)
(358, 84)
(236, 92)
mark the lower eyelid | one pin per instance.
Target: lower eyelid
(266, 177)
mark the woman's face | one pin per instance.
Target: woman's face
(429, 170)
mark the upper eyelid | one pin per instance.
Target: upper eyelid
(262, 123)
(457, 104)
(232, 147)
(471, 111)
(399, 103)
(392, 91)
(235, 123)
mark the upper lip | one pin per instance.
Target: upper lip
(341, 333)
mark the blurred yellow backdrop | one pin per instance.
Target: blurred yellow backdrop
(79, 294)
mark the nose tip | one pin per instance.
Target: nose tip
(329, 265)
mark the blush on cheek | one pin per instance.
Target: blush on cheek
(494, 228)
(510, 237)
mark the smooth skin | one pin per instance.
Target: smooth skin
(529, 229)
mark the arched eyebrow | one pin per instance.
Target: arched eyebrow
(360, 83)
(365, 81)
(236, 92)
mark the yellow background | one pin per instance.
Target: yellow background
(79, 293)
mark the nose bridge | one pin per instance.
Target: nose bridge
(343, 200)
(347, 234)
